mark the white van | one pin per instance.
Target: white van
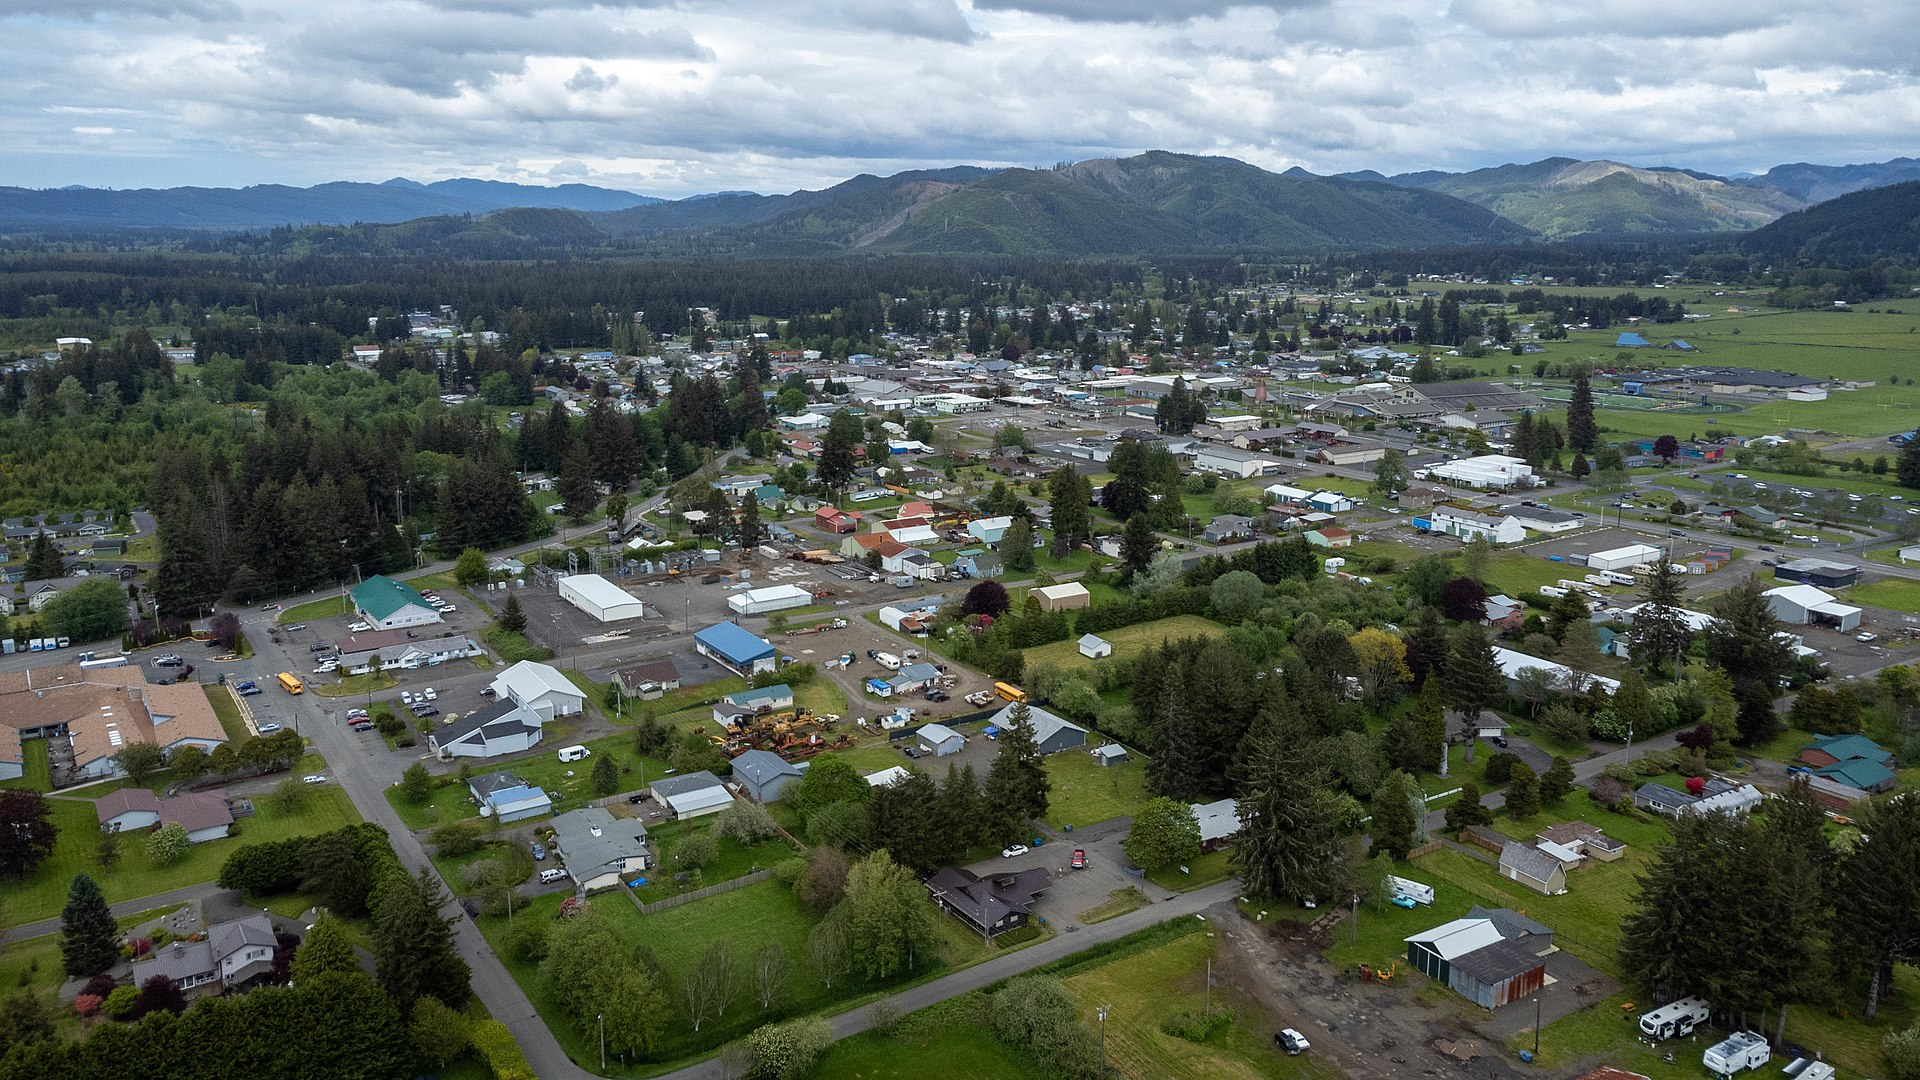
(551, 875)
(887, 660)
(574, 753)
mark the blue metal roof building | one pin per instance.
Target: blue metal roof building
(735, 648)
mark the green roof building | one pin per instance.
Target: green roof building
(390, 605)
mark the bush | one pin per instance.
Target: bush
(787, 1051)
(528, 941)
(121, 1003)
(1500, 767)
(458, 838)
(1196, 1027)
(87, 1004)
(495, 1045)
(1901, 1052)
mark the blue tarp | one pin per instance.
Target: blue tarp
(1631, 340)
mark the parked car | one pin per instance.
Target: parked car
(1291, 1041)
(320, 646)
(359, 627)
(1866, 637)
(295, 626)
(1079, 860)
(406, 697)
(356, 714)
(1013, 852)
(313, 778)
(429, 694)
(326, 669)
(937, 695)
(424, 709)
(487, 692)
(168, 660)
(268, 729)
(248, 691)
(539, 851)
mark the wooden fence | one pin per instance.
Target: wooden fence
(699, 894)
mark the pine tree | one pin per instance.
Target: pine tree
(1017, 785)
(1138, 543)
(1582, 432)
(1426, 643)
(1659, 634)
(1289, 846)
(1742, 641)
(1523, 791)
(751, 531)
(325, 948)
(1016, 545)
(1467, 809)
(512, 618)
(1557, 783)
(1906, 468)
(575, 485)
(1471, 680)
(1877, 903)
(90, 936)
(413, 943)
(1394, 828)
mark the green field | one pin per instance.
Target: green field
(1894, 594)
(732, 862)
(953, 1033)
(1127, 641)
(317, 609)
(1086, 792)
(42, 895)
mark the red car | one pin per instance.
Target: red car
(1079, 860)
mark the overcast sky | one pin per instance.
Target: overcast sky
(673, 98)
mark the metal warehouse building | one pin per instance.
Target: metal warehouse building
(1819, 572)
(600, 598)
(1622, 558)
(772, 598)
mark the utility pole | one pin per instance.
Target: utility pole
(1103, 1038)
(1536, 1026)
(602, 1018)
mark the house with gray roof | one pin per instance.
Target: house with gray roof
(990, 905)
(233, 955)
(1051, 733)
(598, 849)
(502, 727)
(1535, 869)
(764, 775)
(505, 797)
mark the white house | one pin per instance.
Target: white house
(1467, 524)
(989, 530)
(540, 689)
(600, 850)
(502, 727)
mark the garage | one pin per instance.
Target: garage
(600, 598)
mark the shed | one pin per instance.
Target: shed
(600, 598)
(1111, 754)
(506, 798)
(1432, 952)
(940, 740)
(692, 795)
(1499, 974)
(764, 775)
(1094, 646)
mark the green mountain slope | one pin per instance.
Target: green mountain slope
(1866, 226)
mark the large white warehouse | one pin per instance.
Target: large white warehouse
(1488, 472)
(1621, 558)
(772, 598)
(600, 598)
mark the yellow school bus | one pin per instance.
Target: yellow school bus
(1009, 691)
(288, 683)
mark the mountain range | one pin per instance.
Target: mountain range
(1150, 203)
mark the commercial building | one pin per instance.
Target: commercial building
(502, 727)
(600, 598)
(1624, 558)
(88, 714)
(387, 604)
(1804, 605)
(1469, 524)
(1065, 597)
(1817, 572)
(1488, 472)
(771, 598)
(540, 689)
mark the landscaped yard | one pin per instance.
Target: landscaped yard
(34, 966)
(1201, 872)
(41, 896)
(1086, 792)
(228, 711)
(1127, 641)
(355, 685)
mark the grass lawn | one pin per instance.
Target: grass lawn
(953, 1033)
(1086, 792)
(356, 685)
(513, 647)
(42, 895)
(317, 609)
(1119, 902)
(452, 802)
(1072, 562)
(1201, 873)
(228, 710)
(733, 861)
(873, 759)
(1127, 641)
(37, 773)
(34, 966)
(1899, 594)
(1146, 988)
(1516, 572)
(570, 783)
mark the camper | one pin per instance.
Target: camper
(1552, 592)
(574, 753)
(887, 660)
(1597, 579)
(1617, 578)
(1412, 890)
(1737, 1052)
(1673, 1020)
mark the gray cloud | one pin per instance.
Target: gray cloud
(207, 10)
(1137, 11)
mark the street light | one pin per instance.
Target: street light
(602, 1018)
(1536, 1027)
(1103, 1039)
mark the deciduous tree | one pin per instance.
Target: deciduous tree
(27, 832)
(1164, 833)
(168, 844)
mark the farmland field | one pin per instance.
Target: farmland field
(1127, 641)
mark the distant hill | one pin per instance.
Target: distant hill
(270, 205)
(1561, 197)
(1818, 183)
(1881, 223)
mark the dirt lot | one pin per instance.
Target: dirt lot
(1367, 1030)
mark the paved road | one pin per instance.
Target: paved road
(855, 1021)
(123, 908)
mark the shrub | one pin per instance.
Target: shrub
(1194, 1026)
(1500, 767)
(528, 941)
(87, 1004)
(1901, 1052)
(495, 1045)
(121, 1003)
(100, 986)
(787, 1051)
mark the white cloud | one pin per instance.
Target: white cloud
(678, 96)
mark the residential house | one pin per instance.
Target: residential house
(1502, 612)
(1330, 502)
(736, 648)
(1582, 839)
(1219, 823)
(973, 563)
(1228, 527)
(1713, 796)
(506, 798)
(764, 775)
(1534, 868)
(1476, 960)
(205, 815)
(598, 849)
(991, 905)
(1853, 760)
(1329, 536)
(858, 545)
(128, 810)
(829, 519)
(499, 727)
(233, 955)
(649, 681)
(1462, 728)
(940, 740)
(692, 795)
(1050, 733)
(540, 689)
(914, 678)
(1093, 646)
(388, 604)
(753, 702)
(989, 530)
